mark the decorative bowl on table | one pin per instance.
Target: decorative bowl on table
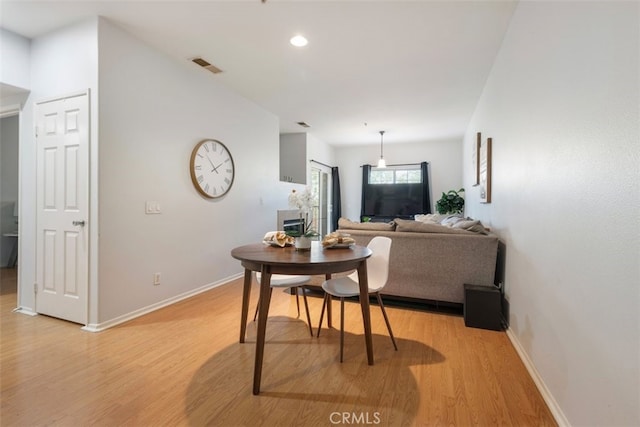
(337, 240)
(278, 239)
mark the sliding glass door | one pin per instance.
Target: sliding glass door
(322, 211)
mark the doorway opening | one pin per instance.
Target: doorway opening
(9, 203)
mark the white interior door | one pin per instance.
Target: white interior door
(62, 255)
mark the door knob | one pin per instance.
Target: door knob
(80, 223)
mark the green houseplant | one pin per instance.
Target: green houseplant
(451, 202)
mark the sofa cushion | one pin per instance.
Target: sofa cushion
(346, 224)
(426, 227)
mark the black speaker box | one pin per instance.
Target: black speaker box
(482, 307)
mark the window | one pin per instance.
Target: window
(396, 175)
(395, 192)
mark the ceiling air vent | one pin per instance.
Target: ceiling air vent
(206, 65)
(304, 125)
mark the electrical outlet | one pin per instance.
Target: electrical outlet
(156, 279)
(152, 207)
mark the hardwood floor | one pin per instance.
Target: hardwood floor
(183, 365)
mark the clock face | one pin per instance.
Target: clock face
(212, 168)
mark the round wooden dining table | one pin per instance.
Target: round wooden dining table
(287, 260)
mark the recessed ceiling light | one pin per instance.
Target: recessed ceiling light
(298, 41)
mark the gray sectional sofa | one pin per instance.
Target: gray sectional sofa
(430, 261)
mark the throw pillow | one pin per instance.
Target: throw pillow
(449, 220)
(470, 225)
(431, 218)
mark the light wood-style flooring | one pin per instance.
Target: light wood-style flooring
(183, 366)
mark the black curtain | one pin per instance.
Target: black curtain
(365, 181)
(426, 201)
(336, 213)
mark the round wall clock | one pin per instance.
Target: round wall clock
(212, 169)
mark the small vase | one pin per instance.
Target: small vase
(303, 243)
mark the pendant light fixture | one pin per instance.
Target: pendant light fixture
(381, 163)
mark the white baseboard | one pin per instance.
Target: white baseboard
(98, 327)
(25, 310)
(557, 413)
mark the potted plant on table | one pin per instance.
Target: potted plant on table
(304, 201)
(451, 202)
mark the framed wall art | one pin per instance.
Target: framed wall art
(475, 159)
(485, 171)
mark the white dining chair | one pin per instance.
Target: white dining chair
(284, 281)
(344, 287)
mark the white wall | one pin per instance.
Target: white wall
(15, 64)
(66, 63)
(561, 105)
(153, 111)
(443, 158)
(320, 151)
(293, 156)
(150, 113)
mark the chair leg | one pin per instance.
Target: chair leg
(255, 316)
(329, 309)
(306, 307)
(324, 304)
(341, 328)
(328, 277)
(258, 304)
(329, 312)
(386, 319)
